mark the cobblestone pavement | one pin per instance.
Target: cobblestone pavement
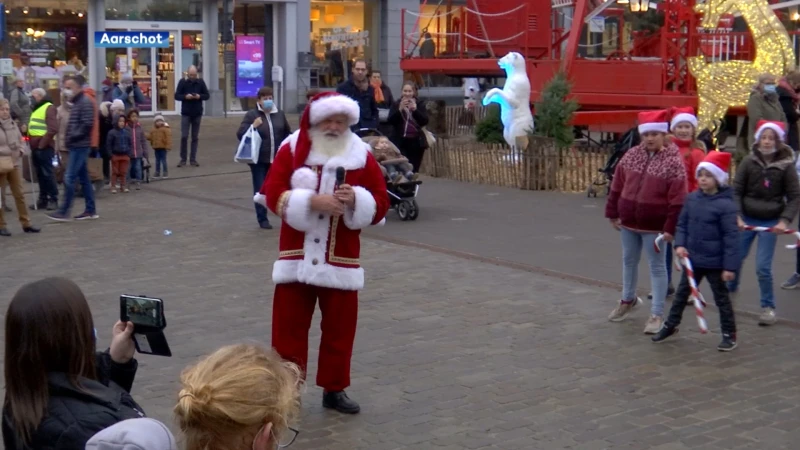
(451, 353)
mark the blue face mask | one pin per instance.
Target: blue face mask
(770, 88)
(267, 105)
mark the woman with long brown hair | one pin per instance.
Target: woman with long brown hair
(241, 397)
(59, 391)
(408, 117)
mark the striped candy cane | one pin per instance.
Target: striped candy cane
(772, 230)
(699, 301)
(657, 242)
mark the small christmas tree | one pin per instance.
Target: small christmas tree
(490, 129)
(554, 111)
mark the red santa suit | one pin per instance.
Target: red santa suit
(319, 254)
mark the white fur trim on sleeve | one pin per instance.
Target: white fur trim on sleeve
(297, 212)
(304, 178)
(260, 199)
(332, 105)
(720, 175)
(684, 117)
(661, 127)
(361, 216)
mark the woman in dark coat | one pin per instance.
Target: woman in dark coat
(273, 128)
(384, 99)
(59, 390)
(789, 99)
(407, 118)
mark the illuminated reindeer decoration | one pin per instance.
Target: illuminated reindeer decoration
(725, 84)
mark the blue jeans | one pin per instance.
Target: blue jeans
(77, 170)
(765, 250)
(259, 174)
(136, 170)
(632, 244)
(161, 160)
(668, 255)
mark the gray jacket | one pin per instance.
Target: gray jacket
(81, 122)
(20, 105)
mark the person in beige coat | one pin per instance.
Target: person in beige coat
(62, 113)
(763, 104)
(11, 149)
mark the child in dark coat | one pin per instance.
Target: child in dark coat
(120, 144)
(708, 234)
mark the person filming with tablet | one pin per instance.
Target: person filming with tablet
(60, 390)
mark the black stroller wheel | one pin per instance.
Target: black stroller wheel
(414, 210)
(404, 210)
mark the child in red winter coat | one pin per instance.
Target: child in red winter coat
(683, 126)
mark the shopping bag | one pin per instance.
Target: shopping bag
(95, 167)
(249, 147)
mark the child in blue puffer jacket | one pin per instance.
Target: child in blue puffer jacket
(708, 234)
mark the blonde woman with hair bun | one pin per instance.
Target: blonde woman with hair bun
(241, 397)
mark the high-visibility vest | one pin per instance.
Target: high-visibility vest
(37, 126)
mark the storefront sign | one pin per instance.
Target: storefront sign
(345, 38)
(41, 56)
(125, 39)
(249, 65)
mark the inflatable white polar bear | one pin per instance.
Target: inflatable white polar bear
(514, 100)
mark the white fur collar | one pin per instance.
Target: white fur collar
(354, 158)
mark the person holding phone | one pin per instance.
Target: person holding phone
(408, 117)
(191, 92)
(59, 390)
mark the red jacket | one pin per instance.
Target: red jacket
(648, 191)
(315, 248)
(692, 153)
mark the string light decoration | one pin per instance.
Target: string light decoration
(725, 84)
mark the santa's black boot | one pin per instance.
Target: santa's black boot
(339, 401)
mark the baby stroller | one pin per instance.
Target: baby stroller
(629, 140)
(403, 196)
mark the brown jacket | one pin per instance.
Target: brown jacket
(62, 113)
(49, 139)
(10, 141)
(160, 137)
(95, 142)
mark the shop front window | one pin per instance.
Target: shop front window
(341, 32)
(155, 10)
(46, 44)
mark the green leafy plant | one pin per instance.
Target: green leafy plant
(649, 21)
(490, 129)
(554, 111)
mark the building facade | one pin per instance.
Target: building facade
(313, 41)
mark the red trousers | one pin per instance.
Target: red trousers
(292, 309)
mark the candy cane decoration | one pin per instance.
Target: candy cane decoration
(657, 242)
(699, 301)
(772, 230)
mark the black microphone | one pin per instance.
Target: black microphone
(339, 176)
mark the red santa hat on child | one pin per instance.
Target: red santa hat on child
(319, 108)
(718, 164)
(778, 127)
(680, 115)
(650, 121)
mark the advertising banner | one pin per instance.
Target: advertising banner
(249, 65)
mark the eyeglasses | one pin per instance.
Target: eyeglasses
(288, 438)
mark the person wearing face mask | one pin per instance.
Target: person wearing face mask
(767, 193)
(191, 92)
(273, 128)
(241, 397)
(789, 99)
(128, 92)
(762, 105)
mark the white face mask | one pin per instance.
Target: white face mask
(68, 93)
(767, 151)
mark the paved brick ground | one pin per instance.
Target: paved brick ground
(450, 353)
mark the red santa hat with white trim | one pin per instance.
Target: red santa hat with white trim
(685, 114)
(717, 164)
(778, 127)
(319, 108)
(650, 121)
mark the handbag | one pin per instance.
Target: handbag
(429, 137)
(249, 147)
(6, 164)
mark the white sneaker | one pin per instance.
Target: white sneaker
(654, 323)
(623, 310)
(767, 317)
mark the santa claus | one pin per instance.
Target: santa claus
(319, 242)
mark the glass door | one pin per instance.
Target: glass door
(143, 71)
(164, 76)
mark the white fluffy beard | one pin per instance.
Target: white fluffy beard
(327, 144)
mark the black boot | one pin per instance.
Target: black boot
(265, 224)
(31, 229)
(339, 401)
(664, 333)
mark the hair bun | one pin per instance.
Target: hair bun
(192, 401)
